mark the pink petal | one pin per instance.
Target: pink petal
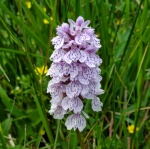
(95, 88)
(81, 38)
(59, 113)
(57, 55)
(86, 23)
(83, 57)
(85, 90)
(93, 60)
(95, 42)
(71, 22)
(88, 95)
(73, 89)
(55, 90)
(74, 55)
(73, 71)
(74, 104)
(83, 79)
(66, 68)
(75, 121)
(79, 21)
(57, 42)
(97, 104)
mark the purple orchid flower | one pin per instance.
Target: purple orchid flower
(75, 73)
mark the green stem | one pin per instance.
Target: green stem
(57, 131)
(80, 138)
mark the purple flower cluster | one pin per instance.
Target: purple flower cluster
(75, 72)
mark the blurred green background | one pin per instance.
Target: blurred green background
(26, 29)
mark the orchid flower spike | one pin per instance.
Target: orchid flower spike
(75, 73)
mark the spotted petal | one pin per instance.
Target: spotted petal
(93, 60)
(95, 42)
(73, 71)
(73, 89)
(58, 113)
(85, 90)
(97, 104)
(55, 70)
(57, 55)
(73, 104)
(82, 79)
(58, 42)
(81, 38)
(85, 75)
(88, 95)
(55, 90)
(66, 68)
(74, 55)
(95, 88)
(75, 121)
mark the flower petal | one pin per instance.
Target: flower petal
(83, 56)
(85, 24)
(55, 90)
(88, 95)
(57, 42)
(74, 55)
(95, 88)
(93, 60)
(56, 70)
(73, 89)
(81, 38)
(97, 104)
(79, 21)
(73, 104)
(73, 71)
(58, 113)
(57, 55)
(95, 42)
(66, 68)
(82, 78)
(75, 121)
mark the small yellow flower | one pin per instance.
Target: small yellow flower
(44, 9)
(42, 132)
(45, 21)
(28, 3)
(32, 41)
(118, 22)
(41, 70)
(131, 128)
(98, 35)
(51, 18)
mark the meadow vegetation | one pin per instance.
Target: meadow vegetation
(27, 28)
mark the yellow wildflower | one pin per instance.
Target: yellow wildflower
(44, 9)
(98, 35)
(28, 3)
(42, 132)
(131, 128)
(45, 21)
(41, 70)
(51, 18)
(118, 22)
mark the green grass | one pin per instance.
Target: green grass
(124, 29)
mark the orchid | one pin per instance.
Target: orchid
(75, 73)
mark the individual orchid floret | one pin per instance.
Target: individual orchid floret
(75, 73)
(75, 121)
